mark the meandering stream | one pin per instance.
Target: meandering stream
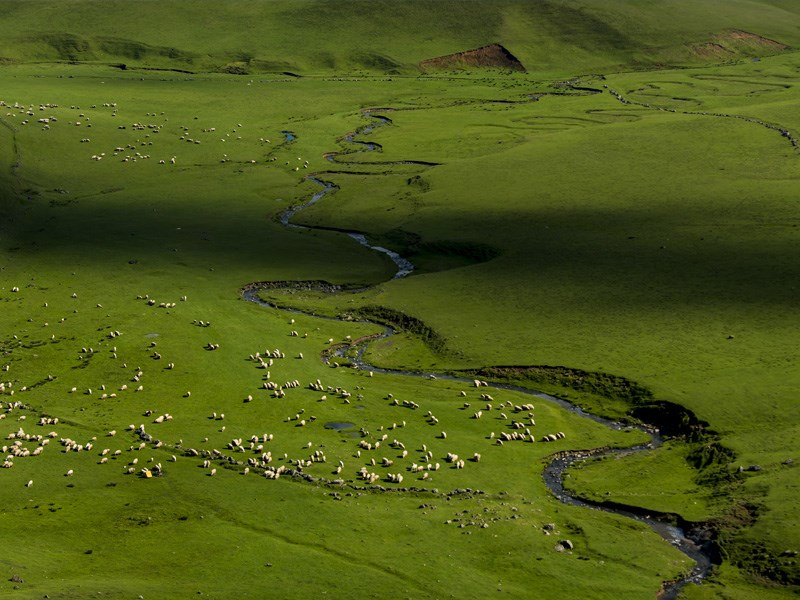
(404, 266)
(554, 471)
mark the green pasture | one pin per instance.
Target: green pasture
(640, 223)
(660, 243)
(89, 242)
(630, 478)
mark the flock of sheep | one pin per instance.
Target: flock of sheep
(379, 454)
(137, 140)
(376, 457)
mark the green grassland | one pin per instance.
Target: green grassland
(311, 36)
(661, 244)
(639, 224)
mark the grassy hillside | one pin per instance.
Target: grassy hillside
(554, 37)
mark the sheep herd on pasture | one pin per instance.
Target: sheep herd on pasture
(138, 140)
(374, 459)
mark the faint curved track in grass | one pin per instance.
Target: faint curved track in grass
(783, 131)
(321, 548)
(736, 79)
(554, 471)
(613, 116)
(17, 164)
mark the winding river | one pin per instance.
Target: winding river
(560, 463)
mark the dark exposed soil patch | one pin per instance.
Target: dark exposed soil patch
(745, 39)
(310, 285)
(493, 56)
(733, 43)
(712, 50)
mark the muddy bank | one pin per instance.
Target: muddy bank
(305, 286)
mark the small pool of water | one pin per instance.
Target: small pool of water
(339, 425)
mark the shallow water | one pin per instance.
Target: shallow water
(339, 425)
(404, 266)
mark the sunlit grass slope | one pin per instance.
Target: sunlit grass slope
(305, 36)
